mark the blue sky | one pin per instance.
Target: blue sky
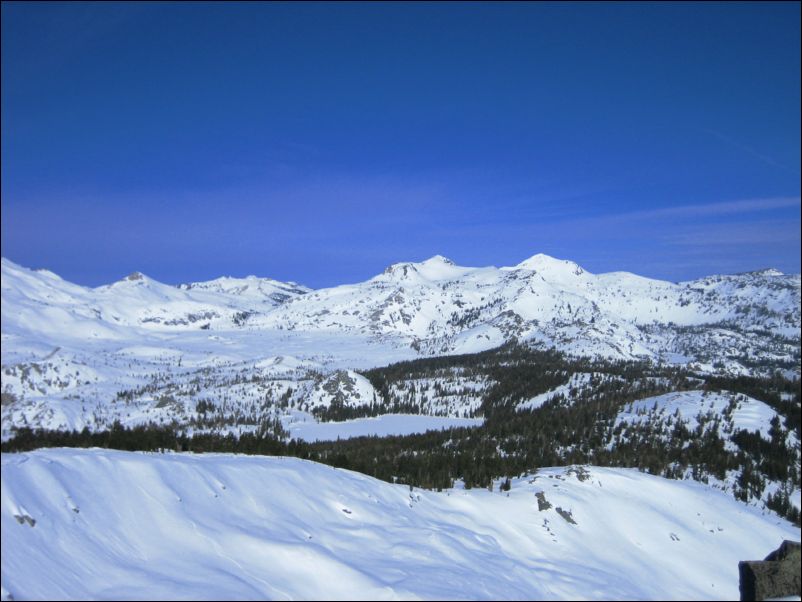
(322, 142)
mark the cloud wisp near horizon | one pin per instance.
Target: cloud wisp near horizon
(682, 241)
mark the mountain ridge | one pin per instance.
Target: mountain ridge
(437, 307)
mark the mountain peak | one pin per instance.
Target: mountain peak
(433, 269)
(132, 279)
(765, 272)
(437, 259)
(405, 266)
(402, 268)
(546, 263)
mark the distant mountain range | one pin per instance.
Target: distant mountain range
(741, 322)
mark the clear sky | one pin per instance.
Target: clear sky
(322, 142)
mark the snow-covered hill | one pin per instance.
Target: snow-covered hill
(722, 411)
(724, 415)
(83, 524)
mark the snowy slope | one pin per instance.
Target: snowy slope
(114, 525)
(737, 412)
(576, 381)
(721, 414)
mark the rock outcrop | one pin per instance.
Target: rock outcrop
(775, 577)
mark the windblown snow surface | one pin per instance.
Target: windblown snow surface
(103, 524)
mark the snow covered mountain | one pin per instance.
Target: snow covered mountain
(435, 307)
(440, 308)
(253, 345)
(86, 524)
(256, 290)
(41, 302)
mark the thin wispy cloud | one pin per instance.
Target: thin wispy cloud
(764, 232)
(750, 151)
(718, 209)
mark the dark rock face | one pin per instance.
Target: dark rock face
(775, 577)
(542, 502)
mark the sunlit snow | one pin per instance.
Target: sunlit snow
(102, 524)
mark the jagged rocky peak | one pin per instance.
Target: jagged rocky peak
(764, 272)
(400, 269)
(134, 276)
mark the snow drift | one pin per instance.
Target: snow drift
(114, 525)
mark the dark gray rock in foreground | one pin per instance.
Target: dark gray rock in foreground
(775, 577)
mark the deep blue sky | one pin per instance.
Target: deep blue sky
(322, 142)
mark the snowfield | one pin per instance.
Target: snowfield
(79, 524)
